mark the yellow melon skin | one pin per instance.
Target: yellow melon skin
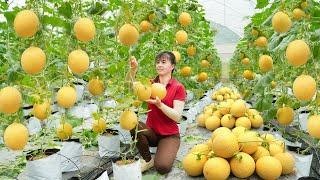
(216, 168)
(193, 163)
(128, 35)
(268, 167)
(304, 87)
(285, 115)
(99, 126)
(191, 51)
(64, 131)
(281, 22)
(297, 53)
(185, 71)
(66, 97)
(185, 19)
(298, 14)
(287, 161)
(159, 90)
(225, 145)
(128, 120)
(177, 55)
(42, 111)
(212, 123)
(238, 108)
(265, 63)
(313, 126)
(78, 61)
(203, 76)
(26, 23)
(84, 29)
(145, 26)
(33, 60)
(181, 37)
(261, 42)
(247, 74)
(96, 87)
(242, 165)
(16, 136)
(10, 100)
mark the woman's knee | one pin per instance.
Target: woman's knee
(162, 168)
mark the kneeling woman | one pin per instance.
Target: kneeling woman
(161, 129)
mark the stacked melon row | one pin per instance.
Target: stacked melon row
(241, 152)
(229, 113)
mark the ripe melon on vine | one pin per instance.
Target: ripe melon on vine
(66, 97)
(297, 53)
(96, 87)
(265, 63)
(26, 23)
(128, 35)
(203, 76)
(42, 111)
(16, 136)
(313, 126)
(281, 22)
(204, 63)
(254, 32)
(298, 14)
(78, 61)
(304, 87)
(145, 26)
(84, 29)
(191, 51)
(247, 74)
(177, 55)
(185, 19)
(181, 37)
(64, 131)
(185, 71)
(261, 42)
(128, 120)
(158, 89)
(99, 126)
(33, 60)
(285, 115)
(10, 100)
(245, 61)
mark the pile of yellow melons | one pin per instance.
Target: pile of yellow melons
(229, 113)
(241, 152)
(225, 93)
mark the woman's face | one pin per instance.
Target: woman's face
(164, 66)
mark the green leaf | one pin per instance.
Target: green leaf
(65, 10)
(261, 4)
(54, 21)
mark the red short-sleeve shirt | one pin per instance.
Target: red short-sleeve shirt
(156, 119)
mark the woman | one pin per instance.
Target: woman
(161, 129)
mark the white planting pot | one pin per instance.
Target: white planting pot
(130, 171)
(109, 145)
(70, 156)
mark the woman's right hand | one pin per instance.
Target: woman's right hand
(133, 63)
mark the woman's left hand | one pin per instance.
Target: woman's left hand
(156, 101)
